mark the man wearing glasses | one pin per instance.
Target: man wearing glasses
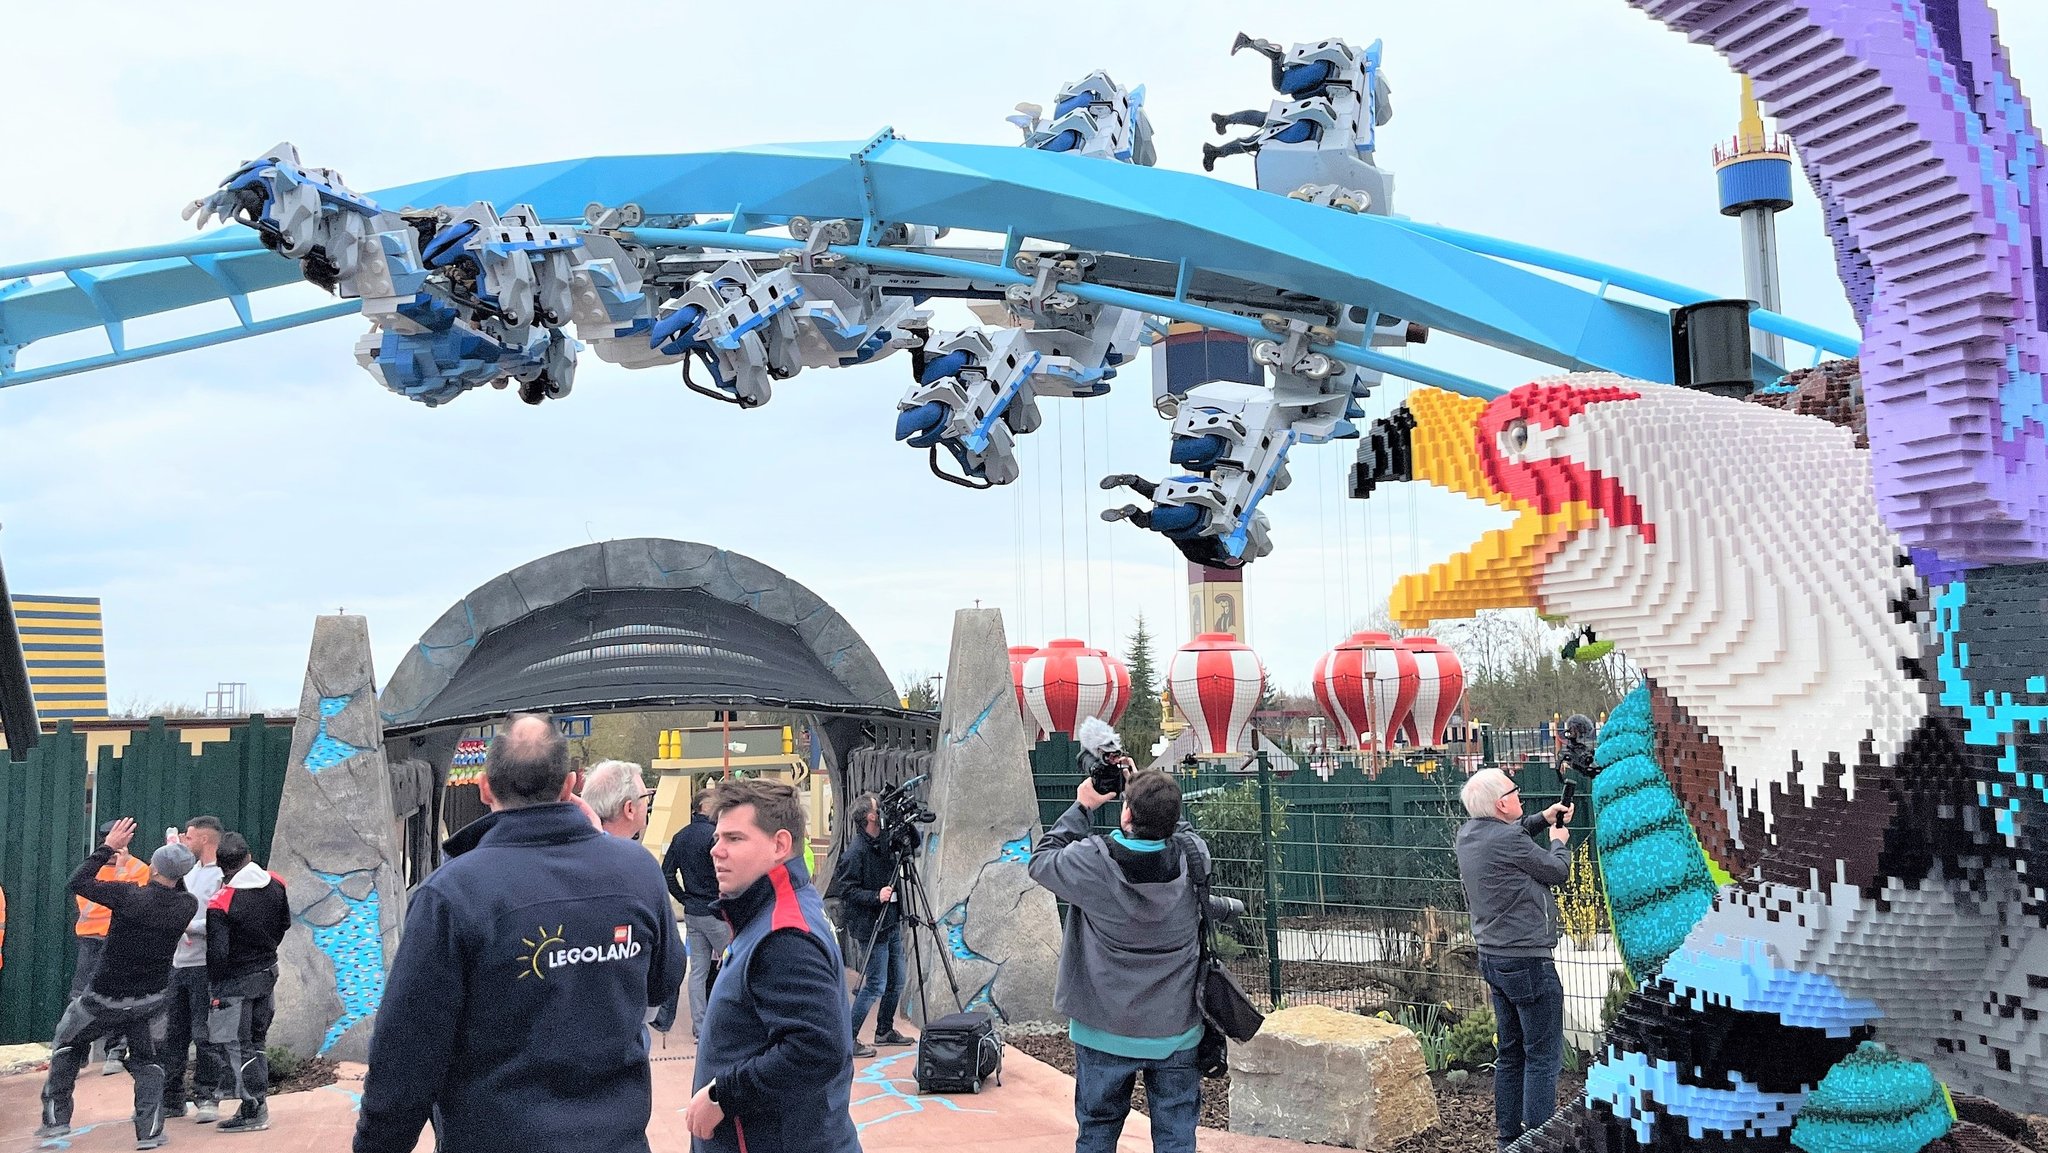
(615, 791)
(1507, 879)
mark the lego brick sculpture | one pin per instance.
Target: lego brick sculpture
(1923, 151)
(1854, 743)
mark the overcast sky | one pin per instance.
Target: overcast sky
(218, 500)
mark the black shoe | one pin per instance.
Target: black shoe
(246, 1121)
(892, 1037)
(860, 1050)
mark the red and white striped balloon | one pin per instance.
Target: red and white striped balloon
(1367, 686)
(1215, 682)
(1339, 684)
(1018, 655)
(1440, 687)
(1066, 682)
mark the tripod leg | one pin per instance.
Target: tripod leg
(917, 898)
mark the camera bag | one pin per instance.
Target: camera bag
(1227, 1012)
(956, 1053)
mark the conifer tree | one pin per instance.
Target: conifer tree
(1139, 729)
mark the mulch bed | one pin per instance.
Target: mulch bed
(312, 1073)
(1465, 1111)
(1465, 1114)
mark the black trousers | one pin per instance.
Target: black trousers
(191, 1003)
(90, 950)
(88, 1018)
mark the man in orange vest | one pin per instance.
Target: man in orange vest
(91, 931)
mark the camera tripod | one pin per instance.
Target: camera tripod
(915, 914)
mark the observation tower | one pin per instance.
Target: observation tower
(1754, 174)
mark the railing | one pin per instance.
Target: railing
(1351, 886)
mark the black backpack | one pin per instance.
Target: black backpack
(956, 1053)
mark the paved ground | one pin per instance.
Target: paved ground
(1033, 1110)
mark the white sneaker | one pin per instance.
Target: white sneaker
(208, 1113)
(112, 1067)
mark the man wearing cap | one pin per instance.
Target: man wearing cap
(129, 994)
(91, 931)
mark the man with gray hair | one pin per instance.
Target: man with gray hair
(515, 1005)
(1507, 881)
(619, 795)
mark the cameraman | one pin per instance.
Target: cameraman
(864, 882)
(1129, 959)
(1507, 881)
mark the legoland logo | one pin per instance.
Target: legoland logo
(551, 951)
(538, 947)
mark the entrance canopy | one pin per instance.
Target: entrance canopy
(643, 623)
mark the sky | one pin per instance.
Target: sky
(218, 500)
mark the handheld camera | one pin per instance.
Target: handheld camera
(1103, 757)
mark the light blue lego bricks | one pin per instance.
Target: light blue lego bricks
(328, 751)
(1751, 982)
(1651, 862)
(1989, 718)
(1626, 1082)
(1873, 1101)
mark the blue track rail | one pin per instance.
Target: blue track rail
(1487, 290)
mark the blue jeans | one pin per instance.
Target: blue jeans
(1528, 1020)
(882, 981)
(1102, 1099)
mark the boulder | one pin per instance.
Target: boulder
(1317, 1074)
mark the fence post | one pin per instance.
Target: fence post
(1272, 879)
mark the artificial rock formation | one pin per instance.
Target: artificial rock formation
(1001, 929)
(335, 848)
(1317, 1074)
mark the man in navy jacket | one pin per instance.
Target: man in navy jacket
(775, 1061)
(514, 1010)
(689, 860)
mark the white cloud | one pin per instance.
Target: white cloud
(220, 499)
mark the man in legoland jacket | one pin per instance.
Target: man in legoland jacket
(775, 1059)
(513, 1016)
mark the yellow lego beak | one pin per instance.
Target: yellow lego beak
(1503, 568)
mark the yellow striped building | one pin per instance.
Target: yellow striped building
(67, 656)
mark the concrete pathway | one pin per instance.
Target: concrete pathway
(1033, 1110)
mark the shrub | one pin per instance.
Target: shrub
(1470, 1043)
(283, 1063)
(1431, 1029)
(1618, 988)
(1581, 905)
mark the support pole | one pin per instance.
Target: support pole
(1272, 879)
(17, 696)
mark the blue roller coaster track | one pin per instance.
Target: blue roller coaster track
(1481, 288)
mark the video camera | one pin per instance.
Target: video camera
(902, 812)
(1103, 757)
(1580, 735)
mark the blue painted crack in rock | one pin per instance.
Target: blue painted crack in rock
(355, 945)
(328, 751)
(955, 922)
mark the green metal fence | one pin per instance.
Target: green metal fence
(1347, 869)
(42, 810)
(161, 781)
(157, 779)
